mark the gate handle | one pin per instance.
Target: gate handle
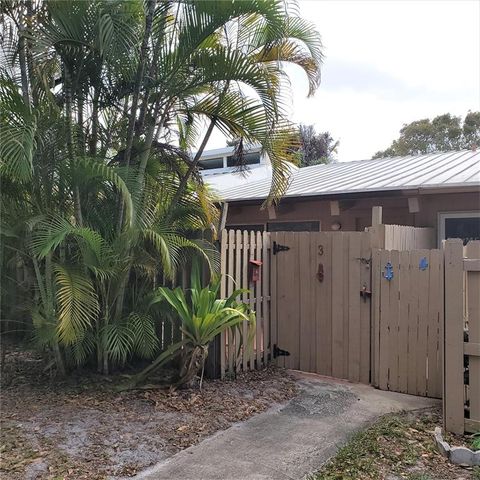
(320, 274)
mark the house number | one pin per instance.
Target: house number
(320, 249)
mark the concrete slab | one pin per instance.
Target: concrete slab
(290, 440)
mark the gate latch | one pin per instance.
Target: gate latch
(278, 352)
(364, 293)
(279, 248)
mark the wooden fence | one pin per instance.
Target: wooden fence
(461, 389)
(238, 249)
(422, 326)
(407, 321)
(402, 237)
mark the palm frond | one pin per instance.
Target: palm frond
(77, 304)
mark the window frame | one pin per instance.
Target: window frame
(442, 216)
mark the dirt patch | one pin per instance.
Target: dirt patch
(83, 429)
(398, 446)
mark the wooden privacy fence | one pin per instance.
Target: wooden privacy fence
(407, 321)
(461, 395)
(402, 237)
(340, 304)
(238, 249)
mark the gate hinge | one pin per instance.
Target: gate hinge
(279, 248)
(278, 352)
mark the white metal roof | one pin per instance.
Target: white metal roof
(419, 172)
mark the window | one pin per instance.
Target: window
(251, 228)
(211, 163)
(248, 159)
(464, 225)
(293, 226)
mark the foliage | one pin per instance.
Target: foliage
(315, 147)
(443, 133)
(203, 316)
(101, 103)
(475, 441)
(398, 445)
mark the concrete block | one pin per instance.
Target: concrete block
(461, 456)
(442, 445)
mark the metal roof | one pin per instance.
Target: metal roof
(419, 172)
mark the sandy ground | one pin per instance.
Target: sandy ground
(82, 429)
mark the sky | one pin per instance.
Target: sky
(387, 63)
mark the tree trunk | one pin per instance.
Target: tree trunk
(22, 60)
(70, 149)
(92, 147)
(139, 79)
(184, 181)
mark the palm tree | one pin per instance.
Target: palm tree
(101, 104)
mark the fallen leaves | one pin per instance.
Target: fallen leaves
(83, 429)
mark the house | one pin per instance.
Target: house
(440, 190)
(219, 170)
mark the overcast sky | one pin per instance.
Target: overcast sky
(387, 63)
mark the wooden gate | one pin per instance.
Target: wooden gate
(461, 396)
(407, 314)
(320, 284)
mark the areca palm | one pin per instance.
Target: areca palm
(101, 105)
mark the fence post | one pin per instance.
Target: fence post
(453, 388)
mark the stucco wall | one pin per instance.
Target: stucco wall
(355, 213)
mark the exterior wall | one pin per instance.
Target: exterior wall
(355, 213)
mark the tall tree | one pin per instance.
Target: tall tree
(316, 147)
(443, 133)
(99, 204)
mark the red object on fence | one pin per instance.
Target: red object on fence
(254, 275)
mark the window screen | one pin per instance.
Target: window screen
(211, 163)
(467, 228)
(248, 159)
(255, 228)
(293, 226)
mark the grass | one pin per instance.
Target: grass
(399, 445)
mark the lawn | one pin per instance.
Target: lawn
(398, 446)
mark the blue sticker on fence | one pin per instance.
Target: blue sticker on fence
(423, 265)
(388, 273)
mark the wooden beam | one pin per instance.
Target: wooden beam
(272, 212)
(471, 348)
(376, 216)
(453, 389)
(223, 218)
(413, 204)
(334, 208)
(472, 426)
(471, 264)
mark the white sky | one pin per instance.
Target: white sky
(387, 63)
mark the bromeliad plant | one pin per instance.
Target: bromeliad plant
(203, 316)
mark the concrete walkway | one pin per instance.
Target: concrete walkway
(289, 441)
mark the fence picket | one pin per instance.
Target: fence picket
(404, 293)
(472, 250)
(230, 288)
(353, 309)
(245, 295)
(266, 295)
(237, 284)
(223, 292)
(337, 307)
(453, 397)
